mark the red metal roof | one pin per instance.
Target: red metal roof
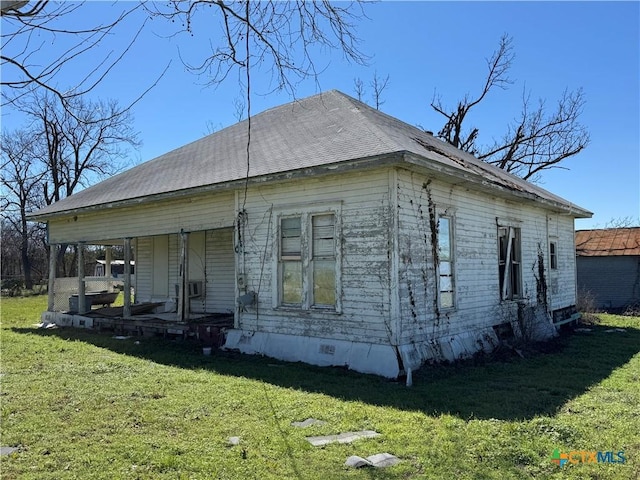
(608, 242)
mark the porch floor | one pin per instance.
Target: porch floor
(207, 328)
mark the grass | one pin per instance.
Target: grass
(83, 405)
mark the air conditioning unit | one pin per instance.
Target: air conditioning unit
(195, 289)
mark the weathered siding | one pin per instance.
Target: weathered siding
(364, 247)
(160, 266)
(613, 282)
(207, 211)
(153, 269)
(562, 281)
(220, 273)
(197, 259)
(144, 269)
(477, 291)
(211, 260)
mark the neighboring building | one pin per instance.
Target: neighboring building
(608, 263)
(116, 270)
(355, 239)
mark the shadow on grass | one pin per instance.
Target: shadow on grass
(508, 389)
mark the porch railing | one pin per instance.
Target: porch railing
(65, 287)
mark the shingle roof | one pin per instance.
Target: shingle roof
(608, 242)
(323, 129)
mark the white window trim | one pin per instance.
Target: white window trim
(306, 212)
(449, 214)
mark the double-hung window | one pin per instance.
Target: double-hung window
(308, 261)
(445, 263)
(510, 262)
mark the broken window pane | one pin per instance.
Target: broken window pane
(509, 267)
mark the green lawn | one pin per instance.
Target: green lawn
(85, 405)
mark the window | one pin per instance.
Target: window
(553, 255)
(291, 260)
(307, 264)
(510, 267)
(445, 263)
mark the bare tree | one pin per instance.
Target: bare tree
(535, 141)
(91, 141)
(60, 30)
(21, 182)
(239, 106)
(58, 152)
(280, 36)
(358, 87)
(623, 222)
(378, 85)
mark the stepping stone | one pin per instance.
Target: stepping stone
(357, 462)
(346, 437)
(233, 441)
(308, 422)
(379, 460)
(383, 460)
(8, 450)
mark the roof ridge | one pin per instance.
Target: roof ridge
(363, 107)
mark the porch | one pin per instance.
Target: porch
(208, 329)
(179, 278)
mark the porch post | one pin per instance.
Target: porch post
(53, 251)
(82, 301)
(107, 262)
(126, 311)
(183, 287)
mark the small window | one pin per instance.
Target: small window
(445, 263)
(553, 255)
(510, 267)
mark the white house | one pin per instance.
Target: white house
(347, 237)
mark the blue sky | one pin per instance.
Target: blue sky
(426, 48)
